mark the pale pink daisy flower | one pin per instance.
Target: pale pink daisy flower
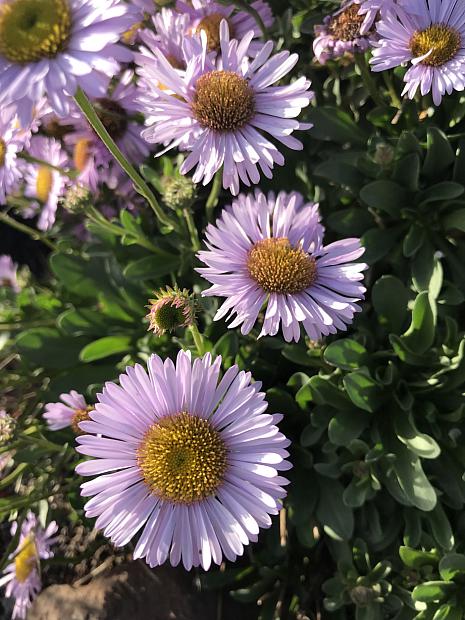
(269, 252)
(22, 575)
(222, 111)
(44, 184)
(8, 276)
(189, 459)
(12, 141)
(70, 412)
(371, 10)
(207, 15)
(428, 35)
(53, 47)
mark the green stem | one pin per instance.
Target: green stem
(31, 232)
(368, 80)
(139, 184)
(212, 200)
(395, 99)
(9, 327)
(72, 174)
(39, 441)
(198, 340)
(194, 235)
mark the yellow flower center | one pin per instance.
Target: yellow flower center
(31, 30)
(80, 415)
(44, 183)
(210, 24)
(277, 267)
(81, 154)
(113, 117)
(2, 152)
(444, 41)
(182, 458)
(26, 559)
(223, 101)
(345, 26)
(129, 36)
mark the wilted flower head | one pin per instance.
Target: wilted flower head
(171, 308)
(190, 460)
(430, 36)
(222, 114)
(52, 47)
(341, 33)
(22, 574)
(268, 251)
(7, 427)
(8, 273)
(71, 412)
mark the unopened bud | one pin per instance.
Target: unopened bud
(171, 308)
(78, 198)
(178, 192)
(7, 427)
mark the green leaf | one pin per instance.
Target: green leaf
(336, 518)
(420, 335)
(407, 355)
(385, 196)
(339, 173)
(46, 347)
(449, 612)
(104, 347)
(378, 244)
(413, 240)
(346, 353)
(417, 559)
(407, 171)
(82, 321)
(439, 155)
(351, 222)
(455, 220)
(441, 528)
(419, 443)
(411, 477)
(363, 390)
(447, 190)
(433, 592)
(86, 278)
(152, 267)
(335, 125)
(355, 494)
(346, 426)
(390, 298)
(451, 566)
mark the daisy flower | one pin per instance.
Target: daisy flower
(268, 251)
(341, 33)
(223, 111)
(430, 36)
(8, 273)
(70, 412)
(12, 140)
(45, 185)
(190, 460)
(22, 576)
(170, 31)
(371, 10)
(52, 47)
(206, 16)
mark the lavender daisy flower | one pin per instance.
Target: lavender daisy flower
(430, 35)
(45, 185)
(12, 140)
(22, 576)
(341, 33)
(170, 31)
(268, 251)
(189, 459)
(8, 273)
(207, 15)
(52, 47)
(222, 113)
(371, 10)
(70, 412)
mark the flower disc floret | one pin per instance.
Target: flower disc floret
(439, 43)
(277, 267)
(182, 458)
(31, 30)
(210, 24)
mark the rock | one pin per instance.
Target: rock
(133, 592)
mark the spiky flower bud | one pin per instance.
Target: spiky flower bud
(178, 192)
(171, 308)
(7, 427)
(77, 199)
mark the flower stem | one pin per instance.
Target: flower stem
(194, 235)
(31, 232)
(139, 184)
(368, 80)
(395, 99)
(198, 339)
(212, 200)
(72, 174)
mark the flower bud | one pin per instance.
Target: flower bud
(171, 308)
(178, 192)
